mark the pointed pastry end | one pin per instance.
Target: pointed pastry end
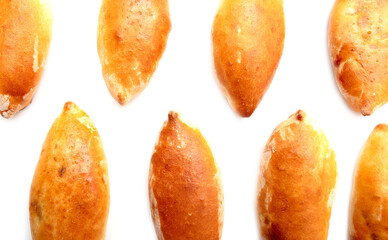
(172, 116)
(300, 115)
(382, 127)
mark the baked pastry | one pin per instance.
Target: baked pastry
(25, 36)
(296, 187)
(132, 36)
(358, 43)
(248, 39)
(69, 197)
(185, 188)
(368, 218)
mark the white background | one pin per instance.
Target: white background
(184, 82)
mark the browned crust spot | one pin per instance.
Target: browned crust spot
(61, 171)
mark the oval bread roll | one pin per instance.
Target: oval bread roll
(185, 188)
(69, 197)
(368, 217)
(296, 188)
(358, 43)
(248, 39)
(132, 36)
(25, 36)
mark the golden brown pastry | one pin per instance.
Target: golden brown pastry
(132, 36)
(369, 202)
(248, 39)
(358, 43)
(296, 188)
(25, 36)
(185, 188)
(69, 197)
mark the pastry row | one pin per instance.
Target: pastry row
(69, 197)
(248, 38)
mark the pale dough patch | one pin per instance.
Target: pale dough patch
(181, 142)
(154, 210)
(379, 212)
(136, 66)
(117, 89)
(35, 65)
(286, 133)
(4, 102)
(45, 2)
(268, 199)
(313, 124)
(28, 96)
(239, 56)
(331, 198)
(87, 122)
(218, 180)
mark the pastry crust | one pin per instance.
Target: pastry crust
(25, 36)
(296, 187)
(185, 187)
(69, 197)
(368, 214)
(358, 44)
(248, 39)
(132, 36)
